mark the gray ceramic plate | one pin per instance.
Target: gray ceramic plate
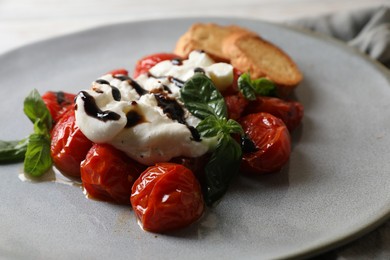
(335, 188)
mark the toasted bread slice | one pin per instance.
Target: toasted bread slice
(251, 53)
(245, 50)
(207, 37)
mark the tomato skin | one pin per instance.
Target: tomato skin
(69, 145)
(167, 197)
(58, 103)
(119, 72)
(108, 174)
(235, 105)
(290, 112)
(272, 141)
(146, 63)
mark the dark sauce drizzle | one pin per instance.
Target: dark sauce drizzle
(116, 94)
(175, 112)
(247, 145)
(102, 81)
(133, 118)
(169, 106)
(140, 90)
(199, 70)
(167, 89)
(179, 83)
(94, 111)
(60, 96)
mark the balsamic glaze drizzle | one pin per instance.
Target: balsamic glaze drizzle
(169, 106)
(178, 82)
(140, 90)
(175, 112)
(60, 96)
(94, 111)
(133, 119)
(199, 70)
(247, 145)
(102, 81)
(116, 94)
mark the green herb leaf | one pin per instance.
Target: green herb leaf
(221, 169)
(12, 151)
(212, 126)
(202, 98)
(252, 88)
(35, 109)
(204, 101)
(38, 159)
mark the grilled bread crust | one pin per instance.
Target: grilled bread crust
(245, 50)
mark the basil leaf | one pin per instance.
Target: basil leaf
(35, 109)
(212, 126)
(252, 88)
(202, 98)
(38, 159)
(264, 87)
(234, 127)
(221, 169)
(209, 127)
(245, 86)
(12, 151)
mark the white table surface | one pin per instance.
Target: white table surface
(26, 21)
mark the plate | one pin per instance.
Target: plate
(334, 189)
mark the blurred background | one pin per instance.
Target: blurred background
(25, 21)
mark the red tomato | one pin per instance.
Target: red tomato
(166, 197)
(69, 145)
(235, 105)
(108, 174)
(272, 143)
(144, 64)
(234, 88)
(58, 103)
(119, 72)
(290, 112)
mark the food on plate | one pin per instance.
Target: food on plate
(167, 196)
(108, 174)
(170, 138)
(69, 146)
(245, 50)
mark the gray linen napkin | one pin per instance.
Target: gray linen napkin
(366, 29)
(369, 31)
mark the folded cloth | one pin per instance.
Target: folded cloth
(366, 29)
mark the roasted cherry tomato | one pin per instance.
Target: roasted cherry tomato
(58, 103)
(235, 105)
(144, 64)
(290, 112)
(108, 174)
(272, 145)
(119, 72)
(166, 197)
(69, 146)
